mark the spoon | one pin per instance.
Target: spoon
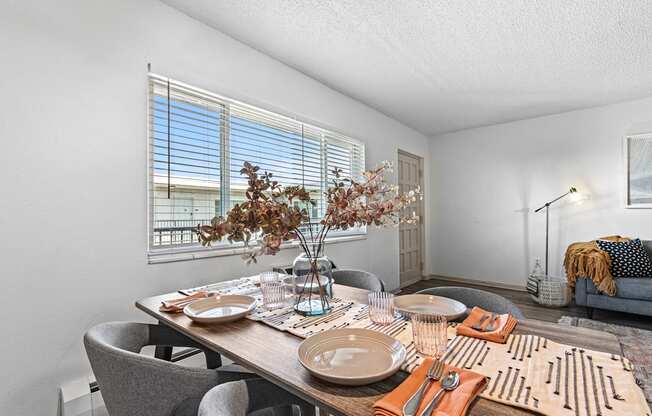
(449, 383)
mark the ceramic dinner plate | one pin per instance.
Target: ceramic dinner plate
(351, 357)
(220, 309)
(411, 304)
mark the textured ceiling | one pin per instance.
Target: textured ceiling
(441, 66)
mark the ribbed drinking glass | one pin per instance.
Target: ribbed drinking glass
(381, 307)
(429, 334)
(273, 289)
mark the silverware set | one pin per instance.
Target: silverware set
(435, 373)
(186, 302)
(449, 383)
(491, 325)
(478, 325)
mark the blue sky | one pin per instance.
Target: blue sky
(195, 152)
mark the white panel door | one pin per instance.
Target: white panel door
(410, 235)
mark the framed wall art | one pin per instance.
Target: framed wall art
(638, 170)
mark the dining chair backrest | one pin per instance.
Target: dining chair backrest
(249, 397)
(475, 297)
(135, 384)
(359, 279)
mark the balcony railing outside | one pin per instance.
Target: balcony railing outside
(175, 232)
(169, 233)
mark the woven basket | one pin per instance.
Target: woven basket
(552, 291)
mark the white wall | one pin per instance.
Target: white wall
(486, 182)
(73, 117)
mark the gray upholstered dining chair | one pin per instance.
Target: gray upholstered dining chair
(359, 279)
(250, 396)
(475, 297)
(135, 384)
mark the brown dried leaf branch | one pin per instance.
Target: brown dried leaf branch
(270, 217)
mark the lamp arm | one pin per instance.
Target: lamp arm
(547, 204)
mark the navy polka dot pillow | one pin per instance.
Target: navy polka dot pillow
(628, 258)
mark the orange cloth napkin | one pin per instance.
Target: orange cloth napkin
(176, 305)
(504, 326)
(453, 403)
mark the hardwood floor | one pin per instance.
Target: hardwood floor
(533, 310)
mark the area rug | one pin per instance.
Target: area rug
(635, 344)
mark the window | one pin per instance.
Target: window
(198, 142)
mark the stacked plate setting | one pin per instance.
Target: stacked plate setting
(351, 357)
(220, 309)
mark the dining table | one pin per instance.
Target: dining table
(272, 355)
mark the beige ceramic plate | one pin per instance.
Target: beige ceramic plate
(352, 357)
(410, 304)
(220, 309)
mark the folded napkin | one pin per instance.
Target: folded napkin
(504, 326)
(453, 403)
(176, 305)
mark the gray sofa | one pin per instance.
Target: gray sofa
(633, 295)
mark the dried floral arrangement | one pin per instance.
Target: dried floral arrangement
(270, 217)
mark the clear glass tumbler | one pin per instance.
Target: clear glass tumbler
(381, 308)
(429, 334)
(273, 289)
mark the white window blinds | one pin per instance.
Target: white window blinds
(198, 144)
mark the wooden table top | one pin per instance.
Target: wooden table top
(272, 354)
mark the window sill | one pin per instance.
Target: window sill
(196, 253)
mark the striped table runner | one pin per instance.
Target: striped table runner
(528, 371)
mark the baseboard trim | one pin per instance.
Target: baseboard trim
(476, 282)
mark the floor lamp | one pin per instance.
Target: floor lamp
(572, 190)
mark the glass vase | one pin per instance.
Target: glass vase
(313, 281)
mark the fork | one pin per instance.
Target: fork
(434, 374)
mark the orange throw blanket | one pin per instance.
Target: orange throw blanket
(585, 259)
